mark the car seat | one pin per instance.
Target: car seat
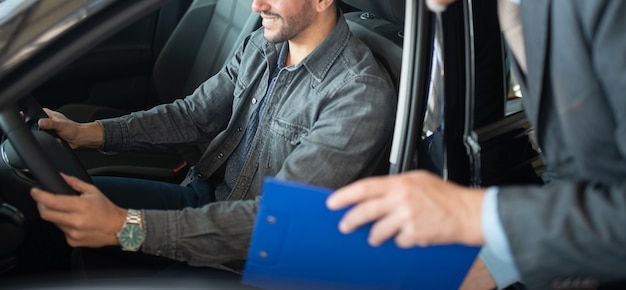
(379, 25)
(204, 39)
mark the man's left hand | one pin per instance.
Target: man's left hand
(88, 220)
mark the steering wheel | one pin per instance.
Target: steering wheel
(41, 153)
(30, 157)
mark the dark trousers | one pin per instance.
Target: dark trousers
(148, 194)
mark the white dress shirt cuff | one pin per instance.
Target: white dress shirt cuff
(496, 254)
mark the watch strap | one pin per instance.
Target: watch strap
(134, 216)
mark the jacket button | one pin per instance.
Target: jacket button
(253, 101)
(199, 175)
(219, 156)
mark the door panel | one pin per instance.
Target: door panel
(474, 143)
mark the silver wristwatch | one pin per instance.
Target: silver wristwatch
(132, 234)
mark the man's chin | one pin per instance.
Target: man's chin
(272, 38)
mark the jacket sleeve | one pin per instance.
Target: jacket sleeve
(216, 234)
(566, 230)
(574, 229)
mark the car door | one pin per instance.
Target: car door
(455, 118)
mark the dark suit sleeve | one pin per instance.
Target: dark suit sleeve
(608, 52)
(566, 230)
(574, 230)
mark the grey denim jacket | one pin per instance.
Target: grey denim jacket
(328, 118)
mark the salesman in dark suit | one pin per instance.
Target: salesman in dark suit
(570, 233)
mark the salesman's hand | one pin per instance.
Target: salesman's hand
(418, 208)
(75, 134)
(88, 220)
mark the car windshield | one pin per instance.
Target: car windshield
(10, 8)
(29, 25)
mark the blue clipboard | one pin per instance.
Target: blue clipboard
(296, 245)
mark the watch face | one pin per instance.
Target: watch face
(131, 237)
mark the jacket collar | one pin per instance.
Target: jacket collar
(320, 60)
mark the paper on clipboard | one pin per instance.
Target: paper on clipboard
(296, 245)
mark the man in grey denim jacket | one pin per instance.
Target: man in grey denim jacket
(327, 110)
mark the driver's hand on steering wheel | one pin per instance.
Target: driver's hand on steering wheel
(88, 135)
(88, 220)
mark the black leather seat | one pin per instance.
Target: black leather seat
(379, 25)
(199, 46)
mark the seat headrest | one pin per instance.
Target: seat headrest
(391, 10)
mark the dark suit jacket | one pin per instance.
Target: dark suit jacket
(572, 233)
